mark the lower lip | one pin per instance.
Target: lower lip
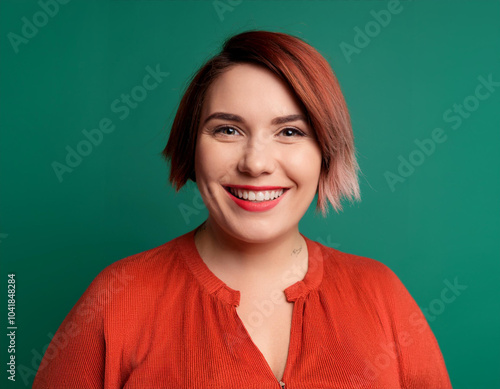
(260, 206)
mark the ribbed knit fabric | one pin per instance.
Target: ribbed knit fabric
(162, 319)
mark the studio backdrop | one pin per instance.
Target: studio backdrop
(89, 89)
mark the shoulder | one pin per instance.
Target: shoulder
(357, 272)
(358, 266)
(140, 274)
(365, 283)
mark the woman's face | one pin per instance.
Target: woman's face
(252, 135)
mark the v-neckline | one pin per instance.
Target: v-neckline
(295, 293)
(294, 338)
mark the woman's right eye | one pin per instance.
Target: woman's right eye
(226, 130)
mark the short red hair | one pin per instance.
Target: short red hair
(313, 82)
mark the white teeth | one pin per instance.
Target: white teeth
(256, 196)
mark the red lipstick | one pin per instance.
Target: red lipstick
(260, 206)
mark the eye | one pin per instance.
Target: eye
(226, 130)
(290, 132)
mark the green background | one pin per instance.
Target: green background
(441, 223)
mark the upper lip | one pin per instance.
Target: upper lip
(254, 188)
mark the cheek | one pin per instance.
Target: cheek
(305, 165)
(202, 152)
(213, 161)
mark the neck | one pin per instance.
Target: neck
(236, 261)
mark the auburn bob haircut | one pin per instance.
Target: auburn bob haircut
(312, 80)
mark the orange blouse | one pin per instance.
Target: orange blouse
(162, 319)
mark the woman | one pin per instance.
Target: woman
(245, 300)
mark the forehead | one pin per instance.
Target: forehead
(250, 90)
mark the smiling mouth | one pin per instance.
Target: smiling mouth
(256, 196)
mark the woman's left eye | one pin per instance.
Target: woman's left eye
(290, 132)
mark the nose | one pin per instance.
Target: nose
(258, 157)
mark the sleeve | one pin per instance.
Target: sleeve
(75, 358)
(420, 360)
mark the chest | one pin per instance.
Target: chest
(206, 348)
(268, 323)
(318, 338)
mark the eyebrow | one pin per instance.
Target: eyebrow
(239, 119)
